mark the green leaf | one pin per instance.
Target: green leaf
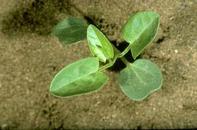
(99, 45)
(140, 30)
(140, 79)
(70, 30)
(78, 78)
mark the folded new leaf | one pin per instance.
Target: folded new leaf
(99, 45)
(78, 78)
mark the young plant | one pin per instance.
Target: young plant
(138, 80)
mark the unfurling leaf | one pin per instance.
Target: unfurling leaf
(140, 79)
(140, 30)
(78, 78)
(70, 30)
(99, 45)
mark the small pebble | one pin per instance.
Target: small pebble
(176, 51)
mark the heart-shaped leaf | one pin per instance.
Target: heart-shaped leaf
(99, 45)
(140, 30)
(78, 78)
(70, 30)
(140, 79)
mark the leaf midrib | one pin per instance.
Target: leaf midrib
(143, 31)
(140, 35)
(83, 26)
(75, 78)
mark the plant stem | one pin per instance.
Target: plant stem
(123, 59)
(108, 64)
(125, 51)
(117, 55)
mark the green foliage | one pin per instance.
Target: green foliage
(70, 30)
(78, 78)
(138, 80)
(99, 45)
(140, 30)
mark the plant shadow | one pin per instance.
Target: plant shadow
(38, 17)
(119, 65)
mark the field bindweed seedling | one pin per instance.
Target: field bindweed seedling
(137, 80)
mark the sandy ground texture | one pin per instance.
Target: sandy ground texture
(29, 58)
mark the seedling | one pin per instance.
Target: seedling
(137, 80)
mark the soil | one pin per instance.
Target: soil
(30, 57)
